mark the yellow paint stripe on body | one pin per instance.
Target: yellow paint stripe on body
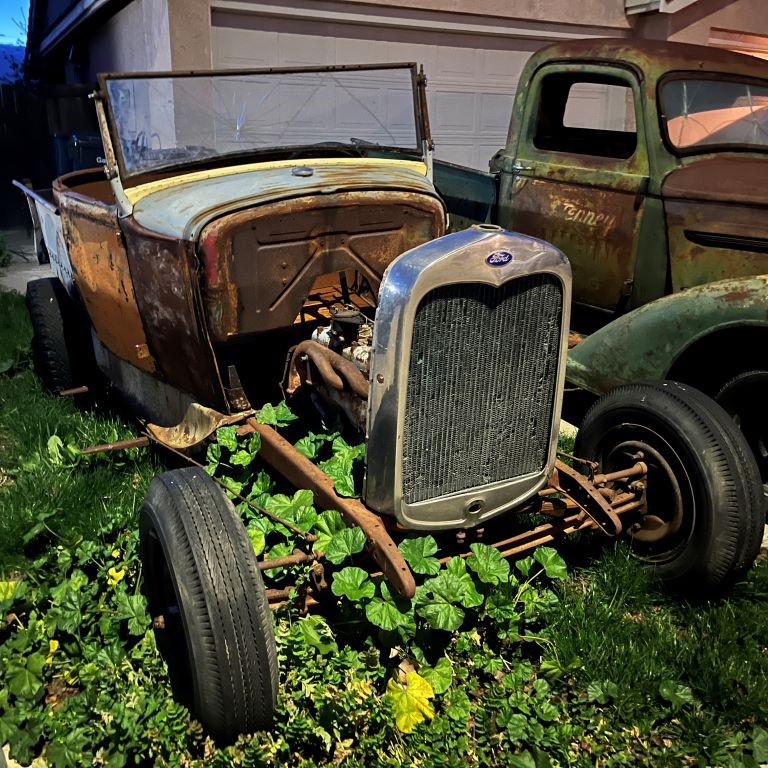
(134, 194)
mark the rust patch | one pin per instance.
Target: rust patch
(260, 264)
(103, 277)
(168, 297)
(742, 295)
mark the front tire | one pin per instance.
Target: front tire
(703, 522)
(201, 576)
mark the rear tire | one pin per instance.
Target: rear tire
(744, 399)
(703, 523)
(49, 307)
(201, 575)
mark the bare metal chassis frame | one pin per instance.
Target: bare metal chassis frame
(573, 501)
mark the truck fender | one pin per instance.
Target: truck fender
(646, 342)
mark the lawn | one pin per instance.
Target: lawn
(574, 657)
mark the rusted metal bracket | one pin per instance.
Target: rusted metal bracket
(587, 497)
(300, 471)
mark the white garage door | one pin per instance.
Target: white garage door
(472, 79)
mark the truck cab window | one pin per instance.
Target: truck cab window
(586, 115)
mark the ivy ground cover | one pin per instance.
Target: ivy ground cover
(570, 657)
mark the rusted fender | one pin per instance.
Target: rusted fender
(645, 343)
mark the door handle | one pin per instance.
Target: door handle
(518, 166)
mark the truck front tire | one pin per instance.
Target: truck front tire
(703, 522)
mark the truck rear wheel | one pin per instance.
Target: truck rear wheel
(702, 524)
(209, 604)
(743, 399)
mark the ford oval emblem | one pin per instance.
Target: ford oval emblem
(498, 258)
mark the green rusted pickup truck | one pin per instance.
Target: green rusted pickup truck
(647, 164)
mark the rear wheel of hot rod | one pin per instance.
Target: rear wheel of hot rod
(48, 306)
(702, 523)
(202, 578)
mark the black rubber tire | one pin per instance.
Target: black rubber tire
(201, 575)
(715, 536)
(744, 399)
(49, 310)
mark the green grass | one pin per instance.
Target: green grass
(614, 671)
(75, 496)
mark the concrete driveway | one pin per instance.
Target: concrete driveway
(23, 266)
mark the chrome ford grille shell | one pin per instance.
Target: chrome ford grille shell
(466, 345)
(478, 406)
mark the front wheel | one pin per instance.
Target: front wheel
(209, 604)
(701, 524)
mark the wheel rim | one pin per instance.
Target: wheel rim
(743, 398)
(169, 633)
(665, 523)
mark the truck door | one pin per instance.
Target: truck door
(576, 174)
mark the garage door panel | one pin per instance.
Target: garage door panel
(495, 109)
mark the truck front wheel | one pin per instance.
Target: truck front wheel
(702, 523)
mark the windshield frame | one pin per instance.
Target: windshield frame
(704, 149)
(252, 154)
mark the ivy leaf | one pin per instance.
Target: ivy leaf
(552, 669)
(468, 594)
(457, 705)
(297, 509)
(257, 538)
(212, 458)
(61, 454)
(553, 564)
(411, 703)
(279, 416)
(385, 614)
(602, 691)
(339, 468)
(317, 634)
(345, 543)
(434, 601)
(134, 609)
(524, 565)
(440, 676)
(328, 525)
(676, 694)
(25, 680)
(342, 448)
(760, 744)
(11, 590)
(310, 444)
(232, 485)
(241, 458)
(418, 554)
(516, 726)
(227, 437)
(353, 583)
(488, 564)
(523, 760)
(546, 711)
(260, 490)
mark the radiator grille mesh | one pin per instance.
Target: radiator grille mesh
(481, 385)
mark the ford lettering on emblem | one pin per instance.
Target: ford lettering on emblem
(499, 258)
